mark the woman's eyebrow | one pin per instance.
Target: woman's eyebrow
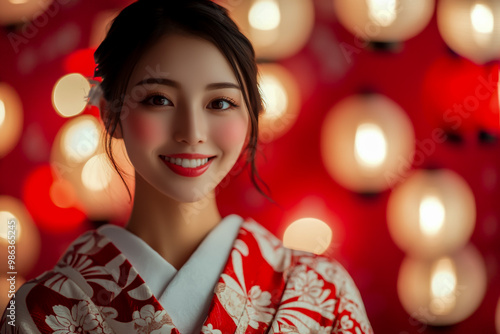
(175, 84)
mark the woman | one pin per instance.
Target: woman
(180, 88)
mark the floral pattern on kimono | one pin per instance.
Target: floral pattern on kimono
(263, 288)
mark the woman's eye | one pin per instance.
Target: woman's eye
(222, 104)
(157, 100)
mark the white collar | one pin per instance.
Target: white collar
(185, 294)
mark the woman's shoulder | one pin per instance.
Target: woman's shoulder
(313, 279)
(267, 241)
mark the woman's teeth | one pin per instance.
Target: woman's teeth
(186, 163)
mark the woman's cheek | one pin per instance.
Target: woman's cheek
(147, 130)
(231, 132)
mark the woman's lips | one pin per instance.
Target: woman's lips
(186, 171)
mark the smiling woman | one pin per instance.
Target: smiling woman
(179, 84)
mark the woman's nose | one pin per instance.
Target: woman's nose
(190, 125)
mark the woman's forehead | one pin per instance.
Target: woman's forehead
(186, 59)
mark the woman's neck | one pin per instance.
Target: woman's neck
(173, 229)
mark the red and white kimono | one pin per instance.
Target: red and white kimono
(259, 287)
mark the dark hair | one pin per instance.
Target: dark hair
(140, 25)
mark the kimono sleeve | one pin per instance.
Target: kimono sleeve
(351, 314)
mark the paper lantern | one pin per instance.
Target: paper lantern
(384, 20)
(78, 158)
(432, 213)
(11, 118)
(364, 141)
(281, 96)
(277, 28)
(471, 28)
(443, 291)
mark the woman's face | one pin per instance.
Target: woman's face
(183, 98)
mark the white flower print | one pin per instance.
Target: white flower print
(209, 329)
(83, 317)
(257, 307)
(309, 287)
(255, 304)
(150, 321)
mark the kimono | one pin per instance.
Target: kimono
(261, 287)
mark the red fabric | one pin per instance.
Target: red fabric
(264, 288)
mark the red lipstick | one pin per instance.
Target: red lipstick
(187, 171)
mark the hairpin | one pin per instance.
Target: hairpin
(95, 93)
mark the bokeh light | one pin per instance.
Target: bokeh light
(97, 173)
(308, 234)
(276, 28)
(384, 20)
(80, 139)
(443, 291)
(432, 213)
(78, 159)
(471, 28)
(11, 118)
(264, 15)
(69, 96)
(281, 97)
(363, 139)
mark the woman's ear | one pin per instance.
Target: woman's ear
(105, 113)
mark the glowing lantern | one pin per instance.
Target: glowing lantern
(384, 20)
(17, 229)
(69, 96)
(97, 173)
(17, 11)
(277, 28)
(281, 97)
(471, 28)
(432, 213)
(11, 118)
(362, 141)
(308, 234)
(443, 291)
(80, 163)
(81, 140)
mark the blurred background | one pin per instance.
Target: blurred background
(380, 142)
